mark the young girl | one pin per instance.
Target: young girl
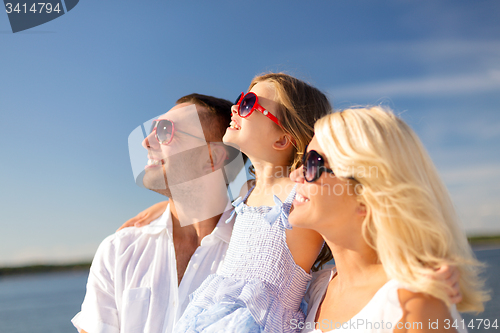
(266, 269)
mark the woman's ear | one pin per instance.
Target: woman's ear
(361, 209)
(217, 158)
(283, 142)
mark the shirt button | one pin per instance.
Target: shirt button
(195, 266)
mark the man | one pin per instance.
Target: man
(140, 278)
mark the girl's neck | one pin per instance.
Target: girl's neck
(269, 173)
(270, 179)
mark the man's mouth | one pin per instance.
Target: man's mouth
(155, 162)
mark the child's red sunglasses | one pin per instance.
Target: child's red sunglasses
(249, 102)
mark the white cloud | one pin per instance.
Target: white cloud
(420, 87)
(472, 174)
(475, 190)
(439, 50)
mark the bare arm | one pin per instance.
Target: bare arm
(305, 245)
(146, 216)
(423, 313)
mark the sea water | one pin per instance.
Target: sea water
(491, 313)
(47, 302)
(41, 302)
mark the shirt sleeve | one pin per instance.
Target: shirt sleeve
(316, 289)
(99, 312)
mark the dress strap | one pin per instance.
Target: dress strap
(238, 205)
(288, 201)
(281, 210)
(248, 194)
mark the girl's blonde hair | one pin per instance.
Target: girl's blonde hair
(411, 222)
(300, 106)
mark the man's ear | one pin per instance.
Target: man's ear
(217, 158)
(283, 142)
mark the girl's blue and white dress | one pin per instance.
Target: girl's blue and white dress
(259, 287)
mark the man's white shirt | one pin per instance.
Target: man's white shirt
(132, 285)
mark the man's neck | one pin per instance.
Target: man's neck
(188, 238)
(197, 230)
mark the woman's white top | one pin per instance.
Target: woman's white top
(382, 314)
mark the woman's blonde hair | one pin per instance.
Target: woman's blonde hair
(300, 106)
(411, 222)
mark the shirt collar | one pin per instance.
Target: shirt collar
(160, 224)
(222, 230)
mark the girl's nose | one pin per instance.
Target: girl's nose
(297, 175)
(234, 109)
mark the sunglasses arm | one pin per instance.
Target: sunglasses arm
(194, 136)
(268, 114)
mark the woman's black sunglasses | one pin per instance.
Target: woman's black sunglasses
(313, 166)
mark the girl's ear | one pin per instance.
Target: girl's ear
(283, 142)
(217, 159)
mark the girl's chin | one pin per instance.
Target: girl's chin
(229, 137)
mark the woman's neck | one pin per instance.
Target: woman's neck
(357, 263)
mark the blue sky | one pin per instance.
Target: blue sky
(73, 89)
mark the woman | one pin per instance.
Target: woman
(370, 189)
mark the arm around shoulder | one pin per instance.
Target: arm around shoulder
(423, 313)
(146, 216)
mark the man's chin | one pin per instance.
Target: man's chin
(164, 192)
(157, 186)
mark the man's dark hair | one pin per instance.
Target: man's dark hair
(214, 121)
(217, 118)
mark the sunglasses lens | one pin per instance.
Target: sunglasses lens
(313, 163)
(153, 124)
(237, 99)
(246, 105)
(164, 131)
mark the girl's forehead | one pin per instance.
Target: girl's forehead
(264, 89)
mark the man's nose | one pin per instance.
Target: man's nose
(150, 141)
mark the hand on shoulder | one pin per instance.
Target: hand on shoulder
(146, 216)
(420, 310)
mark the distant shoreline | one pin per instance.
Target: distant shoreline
(34, 269)
(478, 243)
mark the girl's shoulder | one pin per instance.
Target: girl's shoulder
(284, 189)
(246, 187)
